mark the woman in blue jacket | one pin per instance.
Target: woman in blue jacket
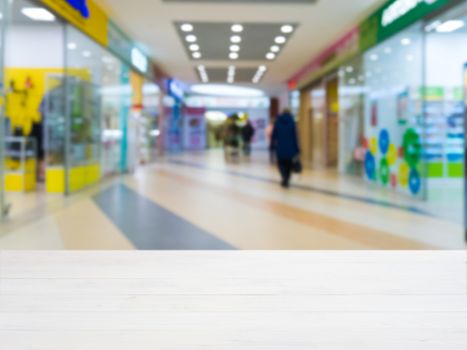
(285, 142)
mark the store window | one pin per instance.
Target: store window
(445, 64)
(34, 95)
(394, 128)
(351, 110)
(150, 131)
(99, 100)
(3, 120)
(317, 125)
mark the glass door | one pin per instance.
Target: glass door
(3, 204)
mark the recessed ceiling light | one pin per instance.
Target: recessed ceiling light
(287, 29)
(191, 38)
(275, 48)
(374, 57)
(234, 48)
(236, 39)
(450, 26)
(38, 14)
(270, 56)
(197, 55)
(72, 46)
(409, 58)
(187, 27)
(237, 28)
(387, 50)
(233, 55)
(349, 69)
(280, 39)
(406, 41)
(87, 53)
(194, 47)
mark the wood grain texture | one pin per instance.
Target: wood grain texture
(233, 300)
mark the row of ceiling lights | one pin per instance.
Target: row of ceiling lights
(259, 74)
(234, 49)
(203, 74)
(235, 41)
(279, 40)
(191, 39)
(231, 74)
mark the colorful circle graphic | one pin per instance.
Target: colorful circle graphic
(370, 166)
(404, 173)
(415, 182)
(373, 146)
(384, 141)
(412, 148)
(384, 171)
(393, 154)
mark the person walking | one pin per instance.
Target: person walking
(248, 132)
(285, 142)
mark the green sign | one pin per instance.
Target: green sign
(393, 17)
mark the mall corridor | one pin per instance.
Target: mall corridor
(195, 201)
(233, 175)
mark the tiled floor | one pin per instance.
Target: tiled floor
(233, 300)
(197, 202)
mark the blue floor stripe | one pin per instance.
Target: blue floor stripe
(361, 199)
(151, 227)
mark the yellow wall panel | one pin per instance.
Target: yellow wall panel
(55, 180)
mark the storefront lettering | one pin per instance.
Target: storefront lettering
(81, 6)
(400, 8)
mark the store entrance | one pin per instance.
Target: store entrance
(446, 56)
(34, 98)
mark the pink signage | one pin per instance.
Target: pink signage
(347, 43)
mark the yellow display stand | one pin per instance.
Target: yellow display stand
(20, 174)
(79, 177)
(17, 182)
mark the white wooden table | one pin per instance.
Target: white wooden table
(233, 300)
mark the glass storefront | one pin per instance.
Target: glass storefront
(351, 120)
(445, 58)
(317, 125)
(3, 120)
(394, 130)
(68, 101)
(99, 100)
(402, 109)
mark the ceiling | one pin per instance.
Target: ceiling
(156, 25)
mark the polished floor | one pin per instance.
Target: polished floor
(233, 300)
(198, 202)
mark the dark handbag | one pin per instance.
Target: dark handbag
(297, 165)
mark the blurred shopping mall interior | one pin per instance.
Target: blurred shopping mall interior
(155, 124)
